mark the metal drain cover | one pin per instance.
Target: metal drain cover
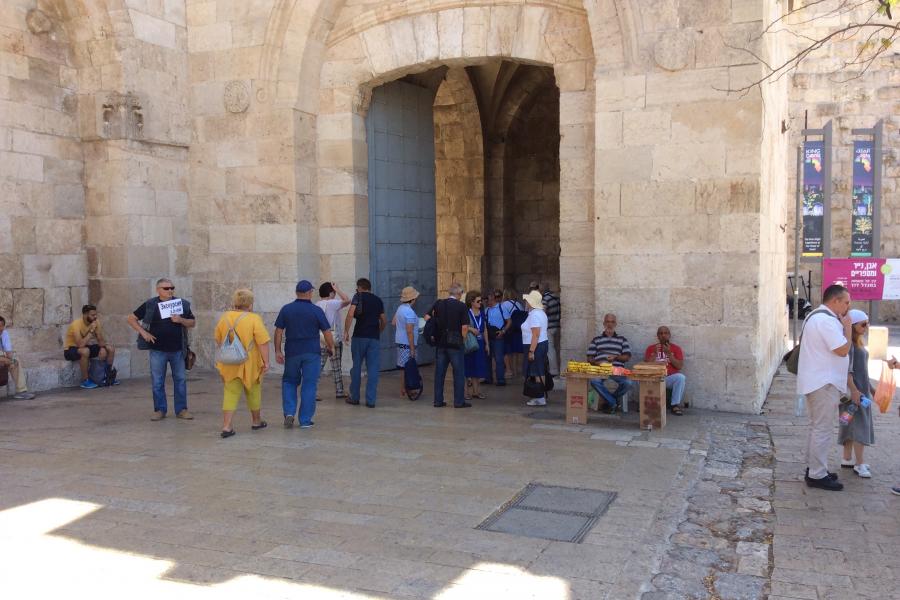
(550, 512)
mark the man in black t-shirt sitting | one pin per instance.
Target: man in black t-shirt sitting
(368, 310)
(162, 323)
(452, 319)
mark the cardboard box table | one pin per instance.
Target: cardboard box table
(577, 397)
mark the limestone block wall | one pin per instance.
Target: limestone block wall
(459, 183)
(824, 89)
(43, 271)
(532, 192)
(678, 202)
(252, 214)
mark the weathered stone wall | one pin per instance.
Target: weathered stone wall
(532, 192)
(459, 182)
(43, 269)
(223, 143)
(824, 87)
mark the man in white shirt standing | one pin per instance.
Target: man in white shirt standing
(822, 377)
(332, 307)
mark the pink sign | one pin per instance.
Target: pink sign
(864, 277)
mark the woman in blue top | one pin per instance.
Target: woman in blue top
(406, 336)
(476, 362)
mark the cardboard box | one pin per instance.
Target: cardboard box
(653, 403)
(576, 400)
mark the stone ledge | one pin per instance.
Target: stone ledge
(49, 370)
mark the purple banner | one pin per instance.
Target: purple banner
(863, 221)
(814, 199)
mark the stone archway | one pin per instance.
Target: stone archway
(372, 48)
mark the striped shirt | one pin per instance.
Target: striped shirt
(551, 307)
(608, 345)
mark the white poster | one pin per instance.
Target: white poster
(891, 270)
(170, 307)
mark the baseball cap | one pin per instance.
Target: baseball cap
(304, 286)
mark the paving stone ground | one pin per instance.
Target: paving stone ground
(834, 545)
(384, 503)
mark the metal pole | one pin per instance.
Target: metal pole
(798, 234)
(876, 204)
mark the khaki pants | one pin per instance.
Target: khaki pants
(822, 406)
(553, 354)
(15, 371)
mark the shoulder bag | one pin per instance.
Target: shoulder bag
(792, 358)
(231, 351)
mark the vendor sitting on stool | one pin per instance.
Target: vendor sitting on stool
(612, 348)
(666, 352)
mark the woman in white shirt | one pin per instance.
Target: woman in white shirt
(535, 342)
(406, 336)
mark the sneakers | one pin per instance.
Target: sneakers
(87, 384)
(185, 415)
(288, 421)
(826, 483)
(863, 471)
(537, 402)
(896, 490)
(25, 396)
(158, 416)
(306, 425)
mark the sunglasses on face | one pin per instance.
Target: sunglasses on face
(168, 289)
(863, 325)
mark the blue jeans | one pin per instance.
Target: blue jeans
(444, 358)
(612, 399)
(302, 370)
(676, 382)
(496, 358)
(367, 349)
(158, 362)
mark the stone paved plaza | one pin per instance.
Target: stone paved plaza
(384, 503)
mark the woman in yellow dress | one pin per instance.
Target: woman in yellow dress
(247, 376)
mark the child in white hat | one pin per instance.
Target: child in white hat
(859, 432)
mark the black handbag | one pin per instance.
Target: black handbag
(534, 387)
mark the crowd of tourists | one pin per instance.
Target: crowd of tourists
(485, 339)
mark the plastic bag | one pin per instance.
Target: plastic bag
(884, 393)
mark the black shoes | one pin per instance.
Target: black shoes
(439, 404)
(353, 402)
(832, 476)
(463, 405)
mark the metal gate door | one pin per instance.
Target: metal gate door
(402, 235)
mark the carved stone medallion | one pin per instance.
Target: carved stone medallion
(237, 97)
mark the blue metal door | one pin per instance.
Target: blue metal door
(402, 234)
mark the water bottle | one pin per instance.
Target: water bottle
(865, 402)
(847, 414)
(800, 406)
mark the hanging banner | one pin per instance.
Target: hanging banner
(863, 220)
(867, 279)
(813, 199)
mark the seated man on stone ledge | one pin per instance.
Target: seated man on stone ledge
(84, 341)
(610, 347)
(9, 359)
(664, 351)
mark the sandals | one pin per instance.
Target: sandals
(480, 396)
(677, 410)
(227, 434)
(262, 425)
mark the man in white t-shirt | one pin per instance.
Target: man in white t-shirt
(333, 306)
(822, 377)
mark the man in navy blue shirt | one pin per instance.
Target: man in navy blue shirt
(300, 323)
(368, 310)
